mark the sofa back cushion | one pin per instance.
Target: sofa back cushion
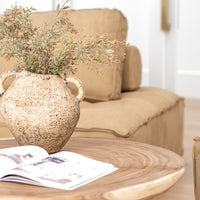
(132, 74)
(108, 84)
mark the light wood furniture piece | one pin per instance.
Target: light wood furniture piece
(196, 167)
(145, 173)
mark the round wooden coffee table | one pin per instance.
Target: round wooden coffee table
(145, 172)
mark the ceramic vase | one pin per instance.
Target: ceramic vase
(40, 109)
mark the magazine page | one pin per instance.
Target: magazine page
(63, 170)
(21, 155)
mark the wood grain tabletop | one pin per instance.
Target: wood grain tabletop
(145, 172)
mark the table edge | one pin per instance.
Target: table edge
(140, 191)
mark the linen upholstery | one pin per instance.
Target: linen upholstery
(100, 21)
(132, 74)
(102, 86)
(107, 84)
(133, 114)
(160, 130)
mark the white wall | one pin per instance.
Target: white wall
(55, 2)
(40, 5)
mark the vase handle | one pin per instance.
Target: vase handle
(3, 77)
(78, 84)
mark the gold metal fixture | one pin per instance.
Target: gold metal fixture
(164, 16)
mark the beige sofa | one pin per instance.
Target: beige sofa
(115, 105)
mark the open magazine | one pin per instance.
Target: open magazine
(63, 170)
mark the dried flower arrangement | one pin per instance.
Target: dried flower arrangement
(54, 50)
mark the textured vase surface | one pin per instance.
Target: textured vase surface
(40, 110)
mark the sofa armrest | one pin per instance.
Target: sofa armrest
(132, 74)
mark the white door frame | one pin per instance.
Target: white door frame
(163, 46)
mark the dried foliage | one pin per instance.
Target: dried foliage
(54, 50)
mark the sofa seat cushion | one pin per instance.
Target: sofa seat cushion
(123, 117)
